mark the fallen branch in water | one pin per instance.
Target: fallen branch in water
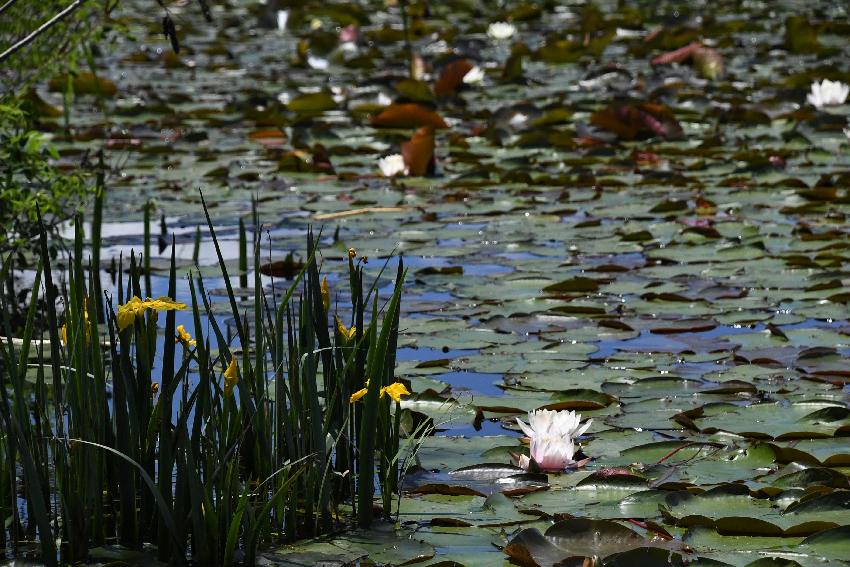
(355, 212)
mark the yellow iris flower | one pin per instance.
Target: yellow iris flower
(184, 337)
(395, 391)
(63, 332)
(231, 377)
(136, 307)
(346, 333)
(326, 293)
(357, 395)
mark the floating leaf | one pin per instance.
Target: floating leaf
(451, 77)
(415, 91)
(287, 268)
(85, 82)
(482, 480)
(634, 121)
(418, 152)
(800, 35)
(577, 284)
(832, 544)
(313, 102)
(577, 537)
(408, 115)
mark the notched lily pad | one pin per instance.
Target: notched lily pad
(577, 537)
(381, 544)
(481, 480)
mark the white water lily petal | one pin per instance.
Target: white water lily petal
(282, 18)
(828, 93)
(501, 30)
(317, 63)
(392, 165)
(580, 431)
(474, 75)
(524, 462)
(518, 120)
(525, 428)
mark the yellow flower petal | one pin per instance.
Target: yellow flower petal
(357, 395)
(128, 312)
(326, 293)
(164, 304)
(184, 337)
(231, 377)
(346, 333)
(63, 332)
(395, 391)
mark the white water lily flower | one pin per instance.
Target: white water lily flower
(392, 165)
(474, 75)
(282, 18)
(501, 30)
(518, 120)
(828, 93)
(317, 63)
(553, 435)
(847, 132)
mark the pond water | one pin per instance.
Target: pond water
(687, 292)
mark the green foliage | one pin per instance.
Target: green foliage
(49, 51)
(30, 181)
(207, 447)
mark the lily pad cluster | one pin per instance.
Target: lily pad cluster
(632, 212)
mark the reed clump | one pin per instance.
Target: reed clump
(121, 426)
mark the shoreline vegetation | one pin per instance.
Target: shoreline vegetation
(206, 446)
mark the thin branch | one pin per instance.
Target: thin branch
(41, 29)
(674, 451)
(8, 4)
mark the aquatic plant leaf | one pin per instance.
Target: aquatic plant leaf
(634, 121)
(418, 152)
(408, 115)
(451, 77)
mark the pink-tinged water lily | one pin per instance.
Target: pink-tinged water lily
(828, 93)
(552, 435)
